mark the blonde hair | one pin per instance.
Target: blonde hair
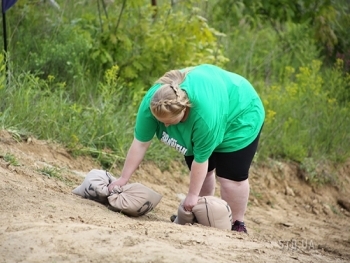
(169, 100)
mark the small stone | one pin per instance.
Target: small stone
(288, 224)
(289, 191)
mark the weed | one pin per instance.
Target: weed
(54, 172)
(257, 195)
(50, 171)
(334, 210)
(315, 173)
(10, 158)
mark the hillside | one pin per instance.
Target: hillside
(42, 221)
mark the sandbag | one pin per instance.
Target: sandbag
(133, 199)
(210, 211)
(214, 212)
(95, 186)
(184, 217)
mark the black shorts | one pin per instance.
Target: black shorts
(231, 165)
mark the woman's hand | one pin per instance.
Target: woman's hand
(119, 182)
(197, 177)
(190, 201)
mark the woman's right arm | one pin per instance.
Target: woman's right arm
(133, 159)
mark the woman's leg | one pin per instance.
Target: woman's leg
(236, 194)
(232, 170)
(209, 183)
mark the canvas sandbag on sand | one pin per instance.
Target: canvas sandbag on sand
(214, 212)
(184, 217)
(133, 199)
(95, 186)
(209, 211)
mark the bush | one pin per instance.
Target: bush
(145, 45)
(45, 44)
(304, 118)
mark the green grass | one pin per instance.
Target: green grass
(11, 159)
(334, 210)
(50, 171)
(55, 173)
(256, 194)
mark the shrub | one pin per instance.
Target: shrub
(304, 119)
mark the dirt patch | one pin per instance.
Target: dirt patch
(42, 221)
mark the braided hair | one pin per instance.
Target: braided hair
(169, 100)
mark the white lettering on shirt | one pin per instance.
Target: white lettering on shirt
(173, 143)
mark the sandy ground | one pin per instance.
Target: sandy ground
(42, 221)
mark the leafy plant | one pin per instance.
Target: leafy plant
(303, 119)
(55, 173)
(144, 46)
(314, 173)
(10, 158)
(50, 171)
(320, 17)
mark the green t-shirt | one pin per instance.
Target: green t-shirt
(226, 114)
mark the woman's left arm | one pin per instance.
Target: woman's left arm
(197, 177)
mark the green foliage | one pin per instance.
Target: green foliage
(55, 172)
(272, 11)
(11, 159)
(262, 56)
(50, 171)
(47, 109)
(141, 43)
(314, 174)
(337, 82)
(2, 73)
(62, 54)
(341, 28)
(66, 56)
(144, 45)
(303, 119)
(326, 21)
